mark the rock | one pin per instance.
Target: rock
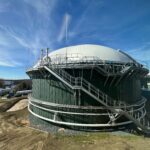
(22, 122)
(61, 130)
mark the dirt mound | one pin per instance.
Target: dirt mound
(15, 134)
(19, 105)
(7, 104)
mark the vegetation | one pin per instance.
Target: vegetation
(1, 84)
(24, 85)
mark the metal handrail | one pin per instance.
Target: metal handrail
(81, 82)
(86, 107)
(108, 101)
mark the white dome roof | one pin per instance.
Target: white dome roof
(89, 50)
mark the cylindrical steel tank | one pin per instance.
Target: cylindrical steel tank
(84, 87)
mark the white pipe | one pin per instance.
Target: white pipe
(78, 124)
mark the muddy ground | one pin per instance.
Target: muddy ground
(15, 134)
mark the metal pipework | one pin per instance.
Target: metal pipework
(41, 58)
(47, 51)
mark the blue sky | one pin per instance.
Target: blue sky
(26, 26)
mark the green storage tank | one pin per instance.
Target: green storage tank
(86, 87)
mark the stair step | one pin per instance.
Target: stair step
(80, 83)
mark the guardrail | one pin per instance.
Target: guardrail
(104, 99)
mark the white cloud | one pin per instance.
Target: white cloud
(6, 59)
(8, 63)
(141, 54)
(64, 27)
(43, 7)
(36, 38)
(27, 38)
(13, 35)
(31, 44)
(10, 40)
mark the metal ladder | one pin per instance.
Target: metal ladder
(101, 97)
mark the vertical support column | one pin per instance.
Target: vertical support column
(114, 103)
(75, 97)
(55, 115)
(41, 58)
(132, 111)
(47, 58)
(79, 93)
(81, 82)
(75, 81)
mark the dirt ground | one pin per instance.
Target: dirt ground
(15, 134)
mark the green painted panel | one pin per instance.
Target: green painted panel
(53, 90)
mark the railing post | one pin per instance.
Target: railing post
(81, 81)
(55, 116)
(132, 111)
(75, 81)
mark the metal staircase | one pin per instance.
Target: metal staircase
(81, 83)
(101, 97)
(113, 70)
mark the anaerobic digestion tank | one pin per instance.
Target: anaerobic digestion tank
(85, 87)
